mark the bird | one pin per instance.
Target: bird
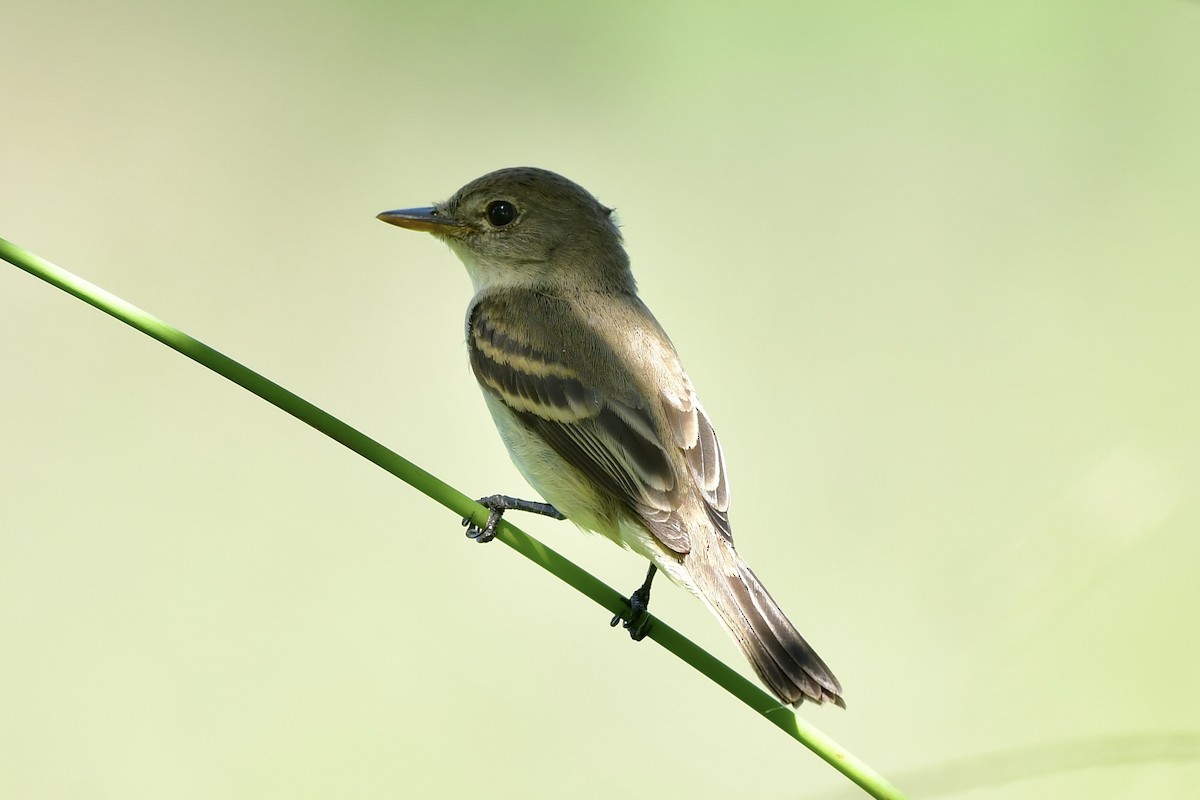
(593, 404)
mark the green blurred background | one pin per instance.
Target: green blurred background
(932, 266)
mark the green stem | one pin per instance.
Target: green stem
(460, 504)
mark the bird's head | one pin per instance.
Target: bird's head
(524, 226)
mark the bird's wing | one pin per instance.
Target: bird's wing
(595, 418)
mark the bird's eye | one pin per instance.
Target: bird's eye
(501, 213)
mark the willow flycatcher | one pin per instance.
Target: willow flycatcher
(597, 413)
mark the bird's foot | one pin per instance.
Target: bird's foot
(497, 504)
(638, 623)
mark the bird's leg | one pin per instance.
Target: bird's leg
(498, 504)
(638, 623)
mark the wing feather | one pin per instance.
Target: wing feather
(695, 436)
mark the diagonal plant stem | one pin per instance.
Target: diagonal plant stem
(462, 505)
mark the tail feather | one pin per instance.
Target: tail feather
(783, 660)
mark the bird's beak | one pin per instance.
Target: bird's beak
(429, 220)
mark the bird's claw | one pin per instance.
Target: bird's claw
(488, 531)
(638, 623)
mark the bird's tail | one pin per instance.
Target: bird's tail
(783, 660)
